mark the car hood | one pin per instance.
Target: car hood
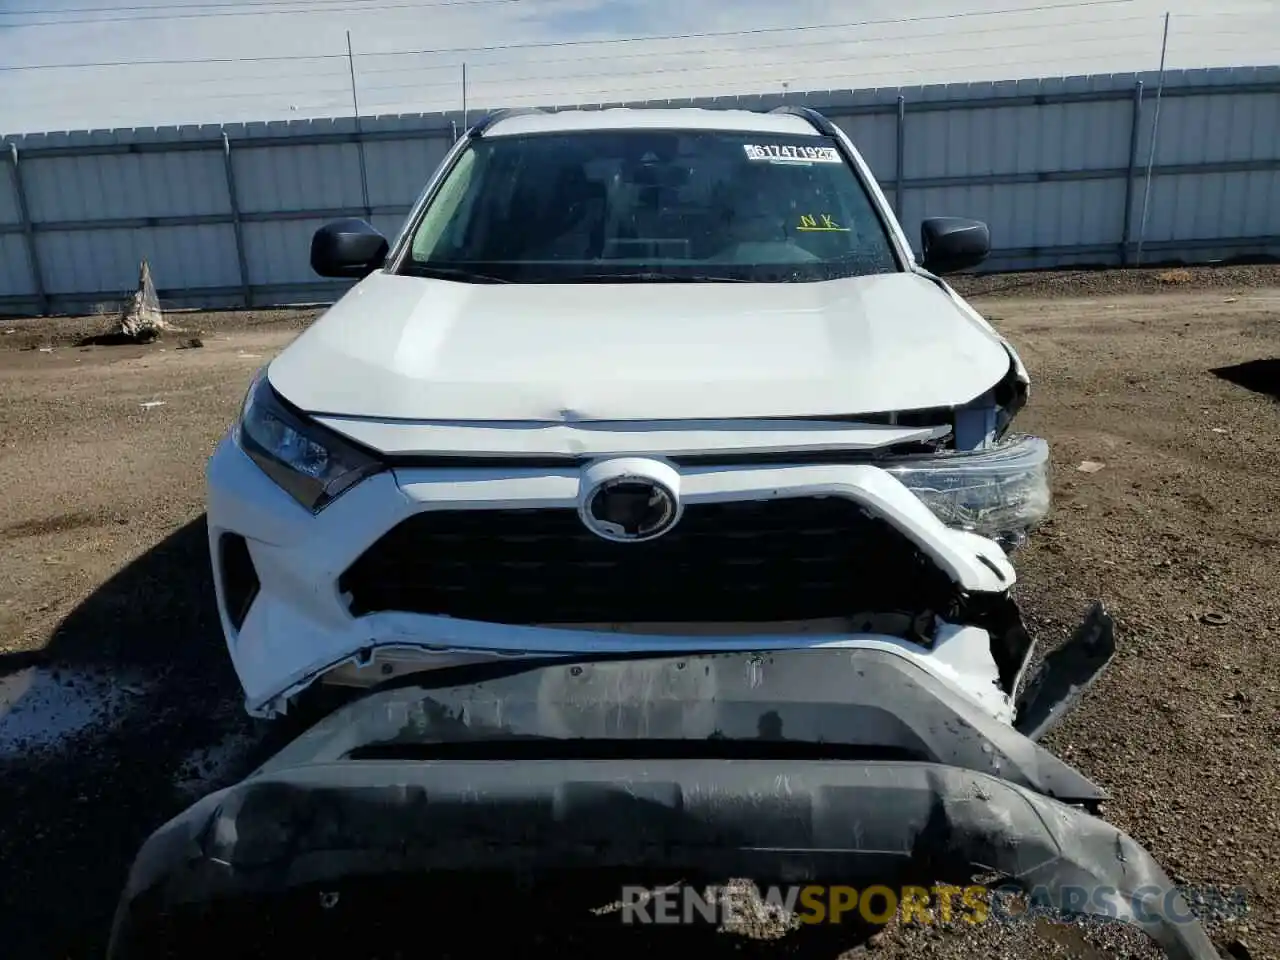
(410, 348)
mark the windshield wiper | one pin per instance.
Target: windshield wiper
(654, 277)
(434, 272)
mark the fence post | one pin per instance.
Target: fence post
(355, 107)
(1136, 121)
(28, 233)
(1151, 153)
(236, 226)
(901, 159)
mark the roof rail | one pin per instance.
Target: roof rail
(489, 119)
(819, 122)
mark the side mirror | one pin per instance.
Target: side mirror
(952, 243)
(347, 248)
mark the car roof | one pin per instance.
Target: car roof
(650, 118)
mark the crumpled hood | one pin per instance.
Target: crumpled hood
(410, 348)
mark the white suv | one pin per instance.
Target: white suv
(631, 380)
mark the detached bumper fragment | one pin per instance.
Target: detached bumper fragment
(1066, 674)
(857, 823)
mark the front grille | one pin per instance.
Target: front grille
(755, 561)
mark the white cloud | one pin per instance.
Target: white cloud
(849, 45)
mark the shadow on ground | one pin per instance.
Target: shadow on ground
(72, 818)
(1260, 376)
(117, 339)
(157, 612)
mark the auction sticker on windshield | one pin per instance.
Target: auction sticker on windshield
(788, 153)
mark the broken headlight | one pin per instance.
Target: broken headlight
(1000, 492)
(311, 464)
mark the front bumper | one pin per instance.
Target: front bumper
(278, 570)
(331, 826)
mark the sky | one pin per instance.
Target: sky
(84, 64)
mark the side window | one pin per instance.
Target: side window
(447, 213)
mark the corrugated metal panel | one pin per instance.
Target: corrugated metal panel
(398, 169)
(280, 251)
(1219, 128)
(8, 195)
(1027, 214)
(306, 177)
(388, 224)
(126, 185)
(1043, 161)
(1056, 136)
(15, 273)
(1212, 206)
(106, 261)
(876, 138)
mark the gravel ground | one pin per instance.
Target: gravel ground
(117, 704)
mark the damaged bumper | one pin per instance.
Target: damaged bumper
(418, 568)
(846, 768)
(854, 824)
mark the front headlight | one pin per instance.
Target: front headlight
(313, 465)
(1001, 492)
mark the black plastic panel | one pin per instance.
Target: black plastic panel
(755, 561)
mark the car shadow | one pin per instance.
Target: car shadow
(158, 605)
(141, 667)
(1259, 376)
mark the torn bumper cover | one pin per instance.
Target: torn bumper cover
(795, 822)
(832, 766)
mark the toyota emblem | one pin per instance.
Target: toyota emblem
(630, 509)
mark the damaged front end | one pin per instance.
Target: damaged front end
(976, 473)
(563, 783)
(984, 478)
(756, 556)
(1000, 492)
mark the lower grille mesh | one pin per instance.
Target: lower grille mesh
(754, 561)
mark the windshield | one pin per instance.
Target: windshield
(650, 205)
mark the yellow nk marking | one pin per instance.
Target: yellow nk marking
(828, 225)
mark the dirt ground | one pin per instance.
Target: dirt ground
(117, 704)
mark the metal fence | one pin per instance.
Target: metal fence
(1067, 171)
